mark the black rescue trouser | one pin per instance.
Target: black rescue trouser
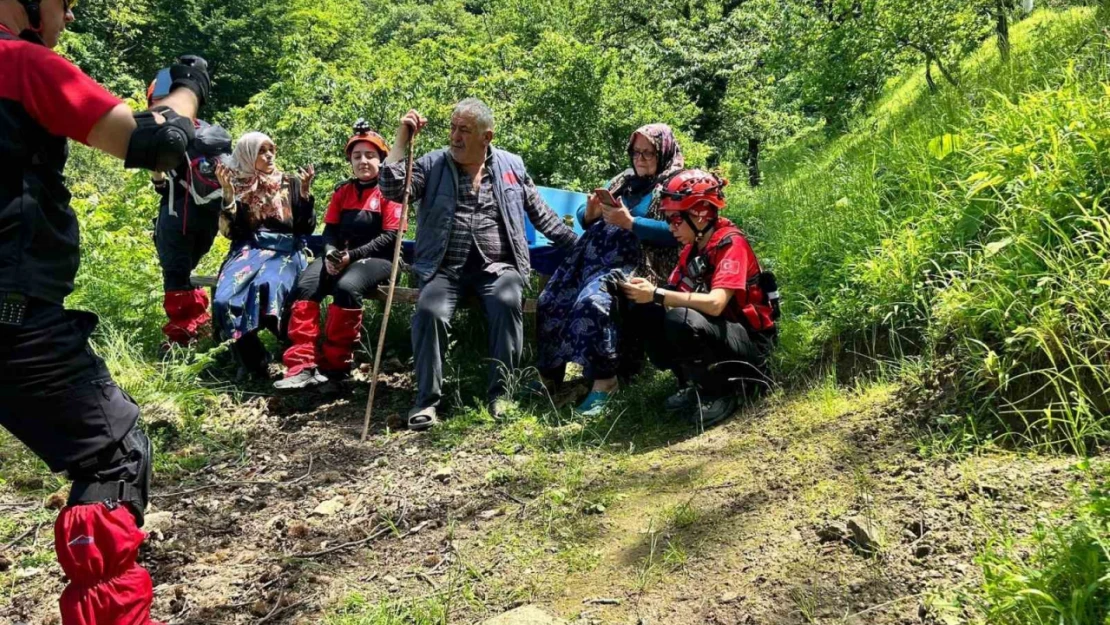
(58, 399)
(348, 289)
(182, 240)
(717, 355)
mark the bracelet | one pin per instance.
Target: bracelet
(658, 296)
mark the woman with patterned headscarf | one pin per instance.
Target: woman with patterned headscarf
(267, 214)
(576, 313)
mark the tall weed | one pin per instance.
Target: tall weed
(969, 224)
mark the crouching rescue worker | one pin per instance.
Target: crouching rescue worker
(360, 228)
(56, 395)
(188, 222)
(713, 324)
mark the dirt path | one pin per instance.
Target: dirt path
(745, 523)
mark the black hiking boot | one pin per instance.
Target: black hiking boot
(682, 401)
(712, 410)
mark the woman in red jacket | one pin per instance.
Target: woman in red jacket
(360, 228)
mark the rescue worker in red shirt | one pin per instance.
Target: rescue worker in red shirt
(713, 324)
(360, 228)
(187, 225)
(56, 395)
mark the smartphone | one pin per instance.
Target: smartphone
(606, 197)
(162, 83)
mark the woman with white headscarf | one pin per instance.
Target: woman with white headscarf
(267, 214)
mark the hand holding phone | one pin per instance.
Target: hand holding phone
(606, 197)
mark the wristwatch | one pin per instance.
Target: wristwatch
(658, 296)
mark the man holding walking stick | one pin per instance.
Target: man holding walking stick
(470, 238)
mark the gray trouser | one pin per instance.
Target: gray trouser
(502, 297)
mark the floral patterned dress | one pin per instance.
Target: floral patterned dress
(262, 266)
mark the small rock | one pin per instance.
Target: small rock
(656, 466)
(443, 474)
(25, 573)
(728, 597)
(329, 507)
(863, 534)
(489, 514)
(392, 581)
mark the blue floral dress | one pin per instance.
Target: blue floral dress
(262, 265)
(576, 315)
(253, 285)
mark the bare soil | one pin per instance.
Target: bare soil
(744, 523)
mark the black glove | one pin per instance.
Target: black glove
(191, 71)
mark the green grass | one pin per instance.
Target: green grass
(967, 230)
(1061, 574)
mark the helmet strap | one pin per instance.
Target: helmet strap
(698, 232)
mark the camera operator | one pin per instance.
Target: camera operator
(56, 395)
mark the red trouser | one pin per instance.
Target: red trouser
(340, 336)
(187, 312)
(97, 547)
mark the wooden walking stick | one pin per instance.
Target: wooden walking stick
(392, 286)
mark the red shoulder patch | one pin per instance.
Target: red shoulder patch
(510, 178)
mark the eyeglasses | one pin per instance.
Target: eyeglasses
(645, 155)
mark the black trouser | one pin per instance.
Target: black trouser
(56, 395)
(502, 297)
(348, 289)
(719, 356)
(182, 237)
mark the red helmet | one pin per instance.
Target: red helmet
(697, 192)
(363, 133)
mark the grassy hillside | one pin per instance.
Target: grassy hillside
(966, 230)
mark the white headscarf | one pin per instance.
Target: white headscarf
(246, 153)
(262, 193)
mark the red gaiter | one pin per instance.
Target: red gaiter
(97, 547)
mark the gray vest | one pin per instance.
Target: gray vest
(437, 208)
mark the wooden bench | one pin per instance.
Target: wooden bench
(564, 203)
(403, 295)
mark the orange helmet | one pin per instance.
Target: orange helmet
(693, 191)
(363, 133)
